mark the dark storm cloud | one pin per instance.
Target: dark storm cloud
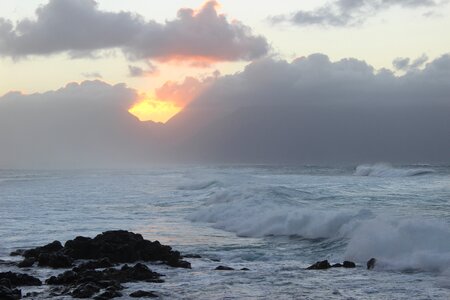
(317, 111)
(349, 12)
(79, 28)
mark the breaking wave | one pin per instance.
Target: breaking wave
(397, 243)
(386, 170)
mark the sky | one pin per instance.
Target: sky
(120, 69)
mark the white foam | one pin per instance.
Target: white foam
(402, 244)
(396, 243)
(387, 170)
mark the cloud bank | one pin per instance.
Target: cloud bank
(79, 28)
(343, 13)
(308, 111)
(80, 125)
(313, 110)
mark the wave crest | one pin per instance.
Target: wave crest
(387, 170)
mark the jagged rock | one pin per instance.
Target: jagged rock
(338, 265)
(143, 294)
(371, 263)
(118, 246)
(95, 264)
(320, 265)
(191, 256)
(55, 260)
(107, 277)
(7, 293)
(85, 291)
(224, 268)
(18, 279)
(27, 262)
(108, 294)
(349, 264)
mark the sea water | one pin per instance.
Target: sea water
(273, 220)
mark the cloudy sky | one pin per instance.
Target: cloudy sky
(235, 81)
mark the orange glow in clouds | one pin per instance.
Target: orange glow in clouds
(154, 110)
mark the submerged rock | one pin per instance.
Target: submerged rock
(224, 268)
(338, 265)
(143, 294)
(371, 263)
(320, 265)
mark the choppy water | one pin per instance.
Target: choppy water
(273, 220)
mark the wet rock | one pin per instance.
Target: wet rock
(349, 264)
(245, 269)
(49, 248)
(108, 294)
(31, 295)
(85, 291)
(338, 265)
(143, 294)
(27, 262)
(95, 264)
(7, 293)
(18, 279)
(55, 260)
(122, 247)
(107, 277)
(371, 263)
(224, 268)
(320, 265)
(191, 256)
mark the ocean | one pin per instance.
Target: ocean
(273, 220)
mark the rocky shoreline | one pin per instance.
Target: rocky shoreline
(98, 267)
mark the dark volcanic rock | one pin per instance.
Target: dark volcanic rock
(108, 295)
(117, 246)
(191, 256)
(55, 260)
(245, 269)
(27, 262)
(320, 265)
(18, 279)
(143, 294)
(338, 265)
(107, 277)
(49, 248)
(7, 293)
(349, 264)
(371, 263)
(94, 264)
(224, 268)
(85, 291)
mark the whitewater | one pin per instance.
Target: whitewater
(273, 220)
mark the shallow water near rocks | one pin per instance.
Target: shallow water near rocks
(273, 220)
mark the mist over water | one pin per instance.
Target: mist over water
(274, 220)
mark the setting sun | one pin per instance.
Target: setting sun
(154, 110)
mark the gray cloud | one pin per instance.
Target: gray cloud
(136, 71)
(79, 28)
(405, 64)
(307, 111)
(342, 13)
(80, 125)
(316, 111)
